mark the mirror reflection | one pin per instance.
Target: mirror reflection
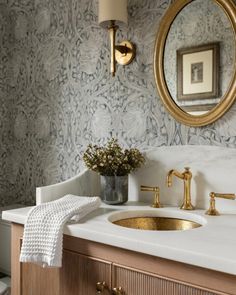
(199, 56)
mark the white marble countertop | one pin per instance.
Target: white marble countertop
(211, 246)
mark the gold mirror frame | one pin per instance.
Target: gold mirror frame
(227, 99)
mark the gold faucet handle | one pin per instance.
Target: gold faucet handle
(212, 209)
(146, 188)
(156, 190)
(223, 196)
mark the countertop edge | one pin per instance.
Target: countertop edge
(86, 231)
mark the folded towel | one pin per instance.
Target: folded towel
(43, 232)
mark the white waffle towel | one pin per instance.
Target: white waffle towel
(43, 232)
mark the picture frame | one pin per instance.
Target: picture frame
(198, 108)
(198, 72)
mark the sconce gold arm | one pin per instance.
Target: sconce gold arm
(212, 209)
(186, 176)
(112, 31)
(123, 53)
(156, 190)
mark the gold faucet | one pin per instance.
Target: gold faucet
(156, 190)
(212, 210)
(186, 176)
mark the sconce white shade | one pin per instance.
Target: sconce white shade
(112, 10)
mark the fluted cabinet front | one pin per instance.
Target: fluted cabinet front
(36, 280)
(81, 274)
(134, 282)
(91, 268)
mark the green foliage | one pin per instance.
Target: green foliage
(112, 159)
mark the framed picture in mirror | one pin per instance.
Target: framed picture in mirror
(198, 73)
(170, 38)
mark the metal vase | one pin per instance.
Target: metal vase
(114, 189)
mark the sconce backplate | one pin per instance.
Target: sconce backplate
(127, 57)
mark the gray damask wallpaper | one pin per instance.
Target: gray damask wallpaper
(57, 95)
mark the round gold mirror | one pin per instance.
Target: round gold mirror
(194, 60)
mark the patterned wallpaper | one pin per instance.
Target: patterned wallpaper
(57, 95)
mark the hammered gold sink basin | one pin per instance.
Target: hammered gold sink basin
(157, 221)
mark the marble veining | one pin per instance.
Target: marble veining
(213, 169)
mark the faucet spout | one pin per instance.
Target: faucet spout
(186, 176)
(170, 174)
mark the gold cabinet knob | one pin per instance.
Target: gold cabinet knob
(156, 190)
(118, 291)
(100, 287)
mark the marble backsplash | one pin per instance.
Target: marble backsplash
(207, 176)
(57, 95)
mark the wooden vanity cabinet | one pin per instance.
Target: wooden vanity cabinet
(80, 274)
(27, 278)
(86, 263)
(135, 282)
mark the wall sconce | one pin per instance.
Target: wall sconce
(109, 13)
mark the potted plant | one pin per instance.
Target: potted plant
(113, 164)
